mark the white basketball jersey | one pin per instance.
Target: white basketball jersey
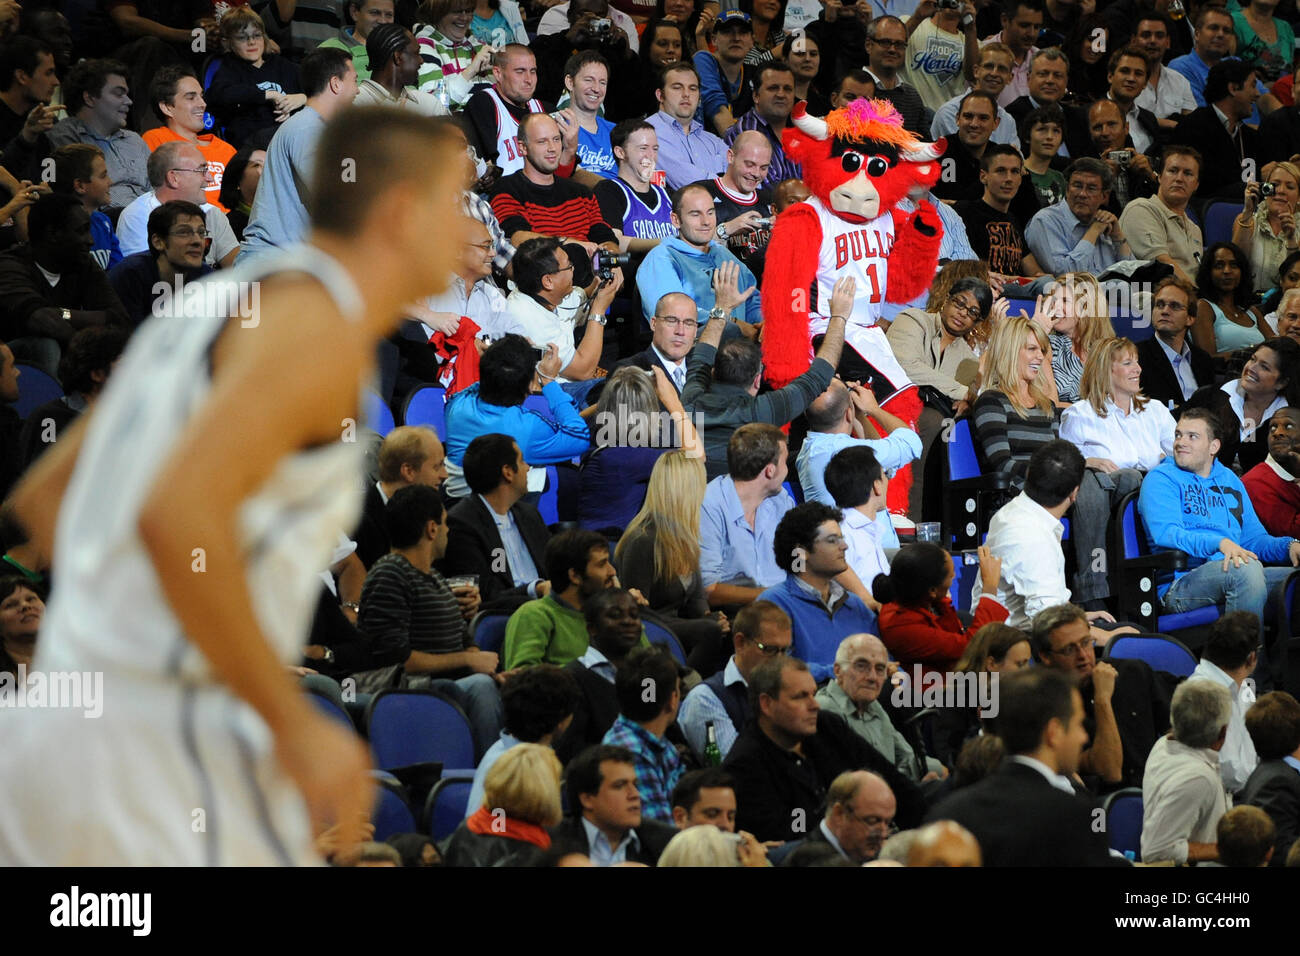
(108, 612)
(508, 156)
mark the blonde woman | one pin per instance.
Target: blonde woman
(521, 801)
(637, 419)
(1014, 413)
(1266, 229)
(1113, 424)
(1080, 323)
(659, 555)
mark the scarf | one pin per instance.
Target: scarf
(482, 821)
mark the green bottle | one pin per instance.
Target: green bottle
(712, 753)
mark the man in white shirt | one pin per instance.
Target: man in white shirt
(1182, 794)
(472, 294)
(1168, 94)
(177, 170)
(546, 307)
(1026, 534)
(1228, 658)
(941, 50)
(857, 484)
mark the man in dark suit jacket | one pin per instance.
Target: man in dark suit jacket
(479, 526)
(606, 822)
(410, 455)
(1230, 88)
(1026, 813)
(785, 759)
(1123, 698)
(1172, 323)
(673, 327)
(1273, 723)
(1279, 135)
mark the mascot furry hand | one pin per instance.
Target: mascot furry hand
(858, 163)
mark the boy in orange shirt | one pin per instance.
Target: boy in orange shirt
(177, 98)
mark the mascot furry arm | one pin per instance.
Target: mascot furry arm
(859, 163)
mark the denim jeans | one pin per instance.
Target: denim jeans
(478, 696)
(1099, 493)
(1240, 589)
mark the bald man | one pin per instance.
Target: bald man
(861, 675)
(860, 811)
(742, 200)
(673, 325)
(944, 844)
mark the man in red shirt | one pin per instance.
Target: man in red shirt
(1274, 484)
(177, 98)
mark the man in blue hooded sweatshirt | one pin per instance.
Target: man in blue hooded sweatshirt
(1193, 503)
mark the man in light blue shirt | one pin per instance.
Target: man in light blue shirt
(688, 152)
(279, 214)
(738, 522)
(606, 823)
(1077, 234)
(1211, 43)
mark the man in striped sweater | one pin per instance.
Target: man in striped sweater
(413, 619)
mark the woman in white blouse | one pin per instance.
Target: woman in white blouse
(1113, 424)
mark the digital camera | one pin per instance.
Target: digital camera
(606, 262)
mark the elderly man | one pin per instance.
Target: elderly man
(1078, 234)
(1182, 793)
(1274, 787)
(861, 673)
(1159, 227)
(786, 758)
(860, 810)
(944, 843)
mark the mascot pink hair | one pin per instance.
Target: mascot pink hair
(858, 163)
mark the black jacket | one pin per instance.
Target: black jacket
(653, 837)
(1220, 156)
(1141, 705)
(372, 533)
(1279, 135)
(648, 360)
(1274, 787)
(474, 545)
(1020, 819)
(772, 783)
(595, 712)
(1158, 381)
(464, 848)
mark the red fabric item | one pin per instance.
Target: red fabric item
(936, 641)
(1277, 502)
(905, 404)
(1284, 89)
(459, 358)
(484, 822)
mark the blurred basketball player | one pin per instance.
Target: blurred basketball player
(194, 506)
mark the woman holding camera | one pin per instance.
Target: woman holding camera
(1266, 229)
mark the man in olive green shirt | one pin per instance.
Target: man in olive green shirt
(861, 675)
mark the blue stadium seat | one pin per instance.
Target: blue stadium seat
(392, 813)
(376, 414)
(35, 388)
(971, 496)
(1218, 221)
(331, 709)
(1162, 653)
(446, 806)
(426, 405)
(1133, 326)
(408, 727)
(658, 634)
(1136, 572)
(1123, 810)
(488, 630)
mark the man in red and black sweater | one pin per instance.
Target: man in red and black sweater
(534, 202)
(1274, 484)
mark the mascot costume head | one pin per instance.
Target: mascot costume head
(859, 164)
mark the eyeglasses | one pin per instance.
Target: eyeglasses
(864, 666)
(771, 650)
(1089, 189)
(568, 268)
(1077, 649)
(673, 321)
(188, 232)
(185, 169)
(488, 246)
(973, 311)
(1170, 305)
(871, 823)
(834, 540)
(249, 37)
(891, 44)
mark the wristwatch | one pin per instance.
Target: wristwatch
(722, 231)
(67, 315)
(328, 656)
(351, 606)
(598, 319)
(717, 313)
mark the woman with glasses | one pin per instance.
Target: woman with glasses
(1223, 323)
(1113, 424)
(251, 91)
(1266, 229)
(918, 622)
(659, 555)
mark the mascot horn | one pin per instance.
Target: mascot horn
(858, 163)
